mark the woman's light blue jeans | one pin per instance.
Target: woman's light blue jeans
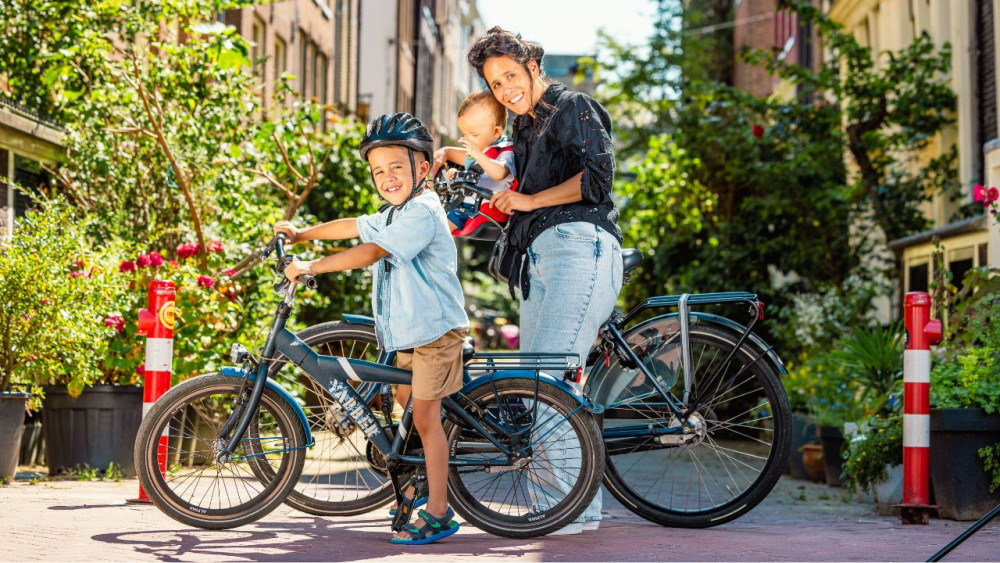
(575, 274)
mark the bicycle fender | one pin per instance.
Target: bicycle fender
(724, 324)
(558, 383)
(600, 387)
(358, 319)
(233, 371)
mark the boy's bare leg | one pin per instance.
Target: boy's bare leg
(427, 419)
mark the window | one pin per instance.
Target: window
(303, 61)
(257, 51)
(919, 275)
(320, 81)
(4, 194)
(280, 62)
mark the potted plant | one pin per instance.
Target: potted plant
(874, 458)
(44, 321)
(833, 402)
(965, 401)
(800, 389)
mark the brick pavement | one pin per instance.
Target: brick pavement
(83, 521)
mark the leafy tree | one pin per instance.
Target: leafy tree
(787, 218)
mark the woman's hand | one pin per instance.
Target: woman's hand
(508, 201)
(297, 268)
(290, 231)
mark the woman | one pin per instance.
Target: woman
(564, 225)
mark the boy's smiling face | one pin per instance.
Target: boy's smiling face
(391, 171)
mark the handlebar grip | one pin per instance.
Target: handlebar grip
(279, 243)
(308, 281)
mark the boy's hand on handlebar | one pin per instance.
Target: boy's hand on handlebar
(507, 201)
(297, 268)
(290, 231)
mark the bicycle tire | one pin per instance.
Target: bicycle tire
(490, 501)
(343, 473)
(724, 470)
(197, 489)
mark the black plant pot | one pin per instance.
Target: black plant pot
(12, 407)
(961, 485)
(832, 439)
(93, 430)
(803, 432)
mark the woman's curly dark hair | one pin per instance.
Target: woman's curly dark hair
(498, 42)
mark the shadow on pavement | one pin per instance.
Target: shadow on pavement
(308, 539)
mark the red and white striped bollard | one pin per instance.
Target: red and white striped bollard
(921, 332)
(157, 324)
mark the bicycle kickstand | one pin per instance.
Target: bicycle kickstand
(405, 508)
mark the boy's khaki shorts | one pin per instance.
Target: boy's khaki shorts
(436, 367)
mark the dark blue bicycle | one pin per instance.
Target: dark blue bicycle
(696, 422)
(224, 449)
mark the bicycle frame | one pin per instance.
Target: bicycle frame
(331, 372)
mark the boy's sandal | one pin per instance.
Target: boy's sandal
(417, 504)
(434, 529)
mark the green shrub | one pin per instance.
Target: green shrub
(878, 443)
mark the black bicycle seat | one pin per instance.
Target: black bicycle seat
(631, 258)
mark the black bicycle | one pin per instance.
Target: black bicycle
(224, 449)
(696, 422)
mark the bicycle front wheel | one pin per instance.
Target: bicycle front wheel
(551, 482)
(716, 473)
(344, 474)
(177, 443)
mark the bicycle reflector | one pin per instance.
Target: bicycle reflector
(760, 310)
(573, 374)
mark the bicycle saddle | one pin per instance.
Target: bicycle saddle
(631, 258)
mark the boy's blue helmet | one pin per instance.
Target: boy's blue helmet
(397, 129)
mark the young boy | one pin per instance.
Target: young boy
(417, 298)
(482, 120)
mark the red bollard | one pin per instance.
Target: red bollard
(157, 324)
(921, 332)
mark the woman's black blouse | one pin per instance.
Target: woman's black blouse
(569, 133)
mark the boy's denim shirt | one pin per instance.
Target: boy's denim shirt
(420, 298)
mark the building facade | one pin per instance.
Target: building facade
(413, 59)
(316, 41)
(28, 143)
(970, 27)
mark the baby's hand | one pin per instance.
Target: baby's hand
(289, 230)
(472, 149)
(440, 159)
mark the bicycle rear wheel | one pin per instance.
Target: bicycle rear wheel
(547, 488)
(715, 474)
(199, 490)
(344, 474)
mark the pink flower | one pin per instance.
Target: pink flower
(230, 272)
(77, 274)
(142, 261)
(30, 357)
(992, 194)
(214, 246)
(78, 263)
(205, 281)
(141, 370)
(45, 301)
(126, 266)
(978, 192)
(758, 131)
(188, 250)
(116, 322)
(155, 259)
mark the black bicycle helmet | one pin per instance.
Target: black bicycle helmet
(397, 129)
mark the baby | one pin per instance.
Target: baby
(481, 119)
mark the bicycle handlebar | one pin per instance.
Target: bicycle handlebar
(277, 245)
